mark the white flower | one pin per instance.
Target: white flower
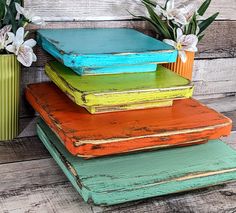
(29, 15)
(4, 38)
(183, 43)
(22, 49)
(189, 8)
(171, 13)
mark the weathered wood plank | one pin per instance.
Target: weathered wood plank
(104, 93)
(27, 148)
(50, 198)
(29, 173)
(216, 70)
(108, 9)
(217, 43)
(87, 136)
(214, 87)
(232, 115)
(29, 75)
(99, 182)
(104, 51)
(211, 77)
(27, 127)
(22, 149)
(231, 140)
(204, 200)
(60, 196)
(225, 104)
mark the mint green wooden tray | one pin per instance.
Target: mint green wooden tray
(108, 181)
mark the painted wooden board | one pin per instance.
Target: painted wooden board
(116, 69)
(108, 181)
(109, 93)
(86, 50)
(186, 123)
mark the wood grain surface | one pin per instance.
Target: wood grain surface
(108, 181)
(120, 92)
(60, 196)
(186, 123)
(218, 46)
(107, 48)
(71, 10)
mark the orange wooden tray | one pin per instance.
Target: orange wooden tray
(186, 123)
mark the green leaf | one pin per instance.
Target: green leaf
(192, 26)
(206, 23)
(201, 11)
(150, 3)
(156, 27)
(10, 19)
(200, 37)
(158, 21)
(2, 9)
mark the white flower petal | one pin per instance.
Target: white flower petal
(197, 30)
(190, 40)
(158, 10)
(182, 56)
(10, 38)
(179, 34)
(25, 56)
(5, 29)
(170, 42)
(37, 20)
(191, 49)
(11, 35)
(34, 57)
(189, 9)
(179, 18)
(170, 5)
(19, 9)
(11, 48)
(17, 16)
(19, 38)
(29, 14)
(30, 43)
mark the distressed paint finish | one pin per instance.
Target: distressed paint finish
(99, 48)
(108, 181)
(120, 92)
(116, 69)
(186, 123)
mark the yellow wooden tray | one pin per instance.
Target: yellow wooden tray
(107, 93)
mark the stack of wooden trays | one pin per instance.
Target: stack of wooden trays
(110, 111)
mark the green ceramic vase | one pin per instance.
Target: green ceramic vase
(9, 97)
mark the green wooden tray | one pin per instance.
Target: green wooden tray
(113, 180)
(120, 92)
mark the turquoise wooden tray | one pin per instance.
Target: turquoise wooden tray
(105, 51)
(113, 180)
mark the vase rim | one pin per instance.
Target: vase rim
(7, 55)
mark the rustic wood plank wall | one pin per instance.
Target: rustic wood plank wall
(214, 70)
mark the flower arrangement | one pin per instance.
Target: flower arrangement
(180, 25)
(13, 20)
